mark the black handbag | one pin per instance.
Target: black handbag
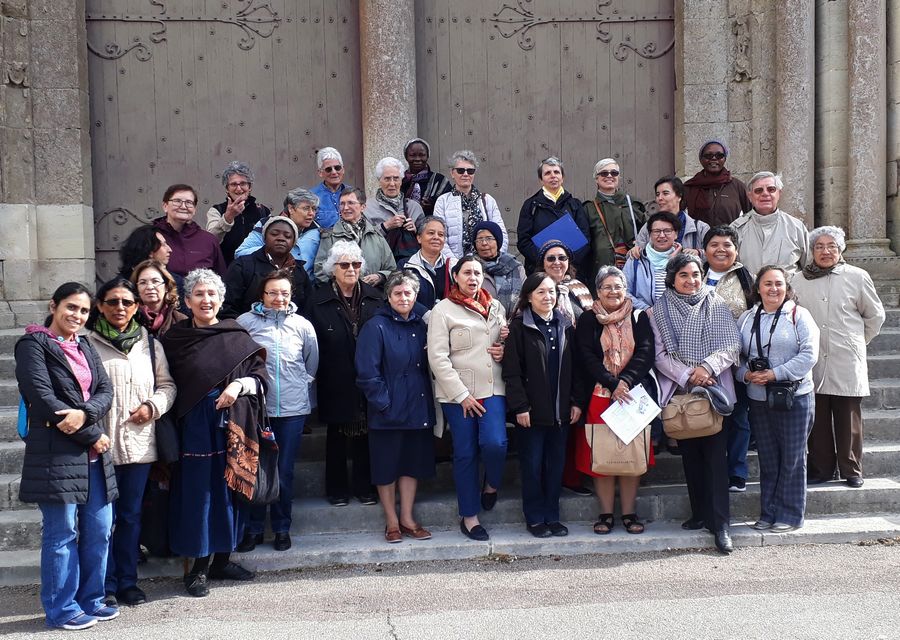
(266, 487)
(168, 443)
(780, 395)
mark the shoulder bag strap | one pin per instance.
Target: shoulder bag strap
(633, 220)
(605, 228)
(152, 357)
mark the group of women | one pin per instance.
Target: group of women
(458, 338)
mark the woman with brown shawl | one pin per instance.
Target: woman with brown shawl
(220, 374)
(713, 195)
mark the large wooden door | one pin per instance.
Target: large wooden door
(181, 87)
(517, 81)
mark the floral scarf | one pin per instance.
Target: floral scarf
(414, 190)
(471, 216)
(481, 304)
(617, 338)
(121, 340)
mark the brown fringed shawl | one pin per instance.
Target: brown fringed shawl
(203, 358)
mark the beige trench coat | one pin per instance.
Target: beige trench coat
(849, 314)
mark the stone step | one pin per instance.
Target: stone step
(888, 341)
(884, 366)
(885, 394)
(21, 530)
(7, 366)
(892, 317)
(8, 419)
(8, 339)
(9, 492)
(9, 392)
(881, 425)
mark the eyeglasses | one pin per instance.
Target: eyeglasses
(464, 170)
(306, 208)
(242, 185)
(562, 258)
(608, 174)
(486, 240)
(662, 232)
(119, 302)
(335, 168)
(761, 190)
(718, 155)
(278, 294)
(391, 178)
(346, 265)
(144, 284)
(826, 247)
(348, 203)
(178, 203)
(612, 287)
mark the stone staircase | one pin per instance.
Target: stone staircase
(324, 534)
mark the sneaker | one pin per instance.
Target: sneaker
(132, 596)
(79, 622)
(736, 484)
(196, 585)
(339, 501)
(106, 613)
(367, 499)
(231, 571)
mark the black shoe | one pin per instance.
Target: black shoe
(131, 596)
(578, 490)
(367, 499)
(737, 484)
(856, 482)
(282, 541)
(488, 500)
(723, 542)
(231, 571)
(692, 524)
(109, 600)
(249, 542)
(196, 585)
(558, 529)
(539, 530)
(338, 501)
(142, 554)
(475, 533)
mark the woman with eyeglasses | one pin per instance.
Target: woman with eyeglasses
(192, 247)
(338, 311)
(713, 195)
(503, 274)
(574, 296)
(394, 215)
(420, 183)
(465, 206)
(292, 361)
(158, 297)
(141, 394)
(646, 272)
(615, 217)
(690, 232)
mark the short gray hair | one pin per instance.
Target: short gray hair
(759, 175)
(840, 238)
(338, 250)
(399, 277)
(299, 195)
(205, 276)
(465, 155)
(327, 153)
(424, 220)
(605, 163)
(552, 161)
(384, 163)
(609, 271)
(237, 168)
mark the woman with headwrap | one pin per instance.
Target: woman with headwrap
(713, 195)
(420, 183)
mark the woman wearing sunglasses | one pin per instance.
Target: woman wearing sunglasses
(713, 195)
(465, 206)
(615, 218)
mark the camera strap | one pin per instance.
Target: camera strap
(756, 329)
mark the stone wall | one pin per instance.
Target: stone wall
(46, 219)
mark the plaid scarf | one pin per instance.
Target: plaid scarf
(695, 327)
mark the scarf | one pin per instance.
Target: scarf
(658, 260)
(161, 320)
(505, 271)
(414, 190)
(695, 327)
(697, 198)
(553, 196)
(121, 340)
(394, 204)
(350, 309)
(607, 197)
(471, 216)
(481, 304)
(617, 338)
(812, 271)
(356, 229)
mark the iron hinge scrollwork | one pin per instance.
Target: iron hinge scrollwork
(257, 18)
(518, 20)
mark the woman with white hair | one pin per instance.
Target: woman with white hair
(220, 373)
(393, 215)
(845, 306)
(339, 309)
(465, 207)
(615, 218)
(231, 221)
(330, 168)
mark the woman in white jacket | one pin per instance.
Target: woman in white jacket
(465, 206)
(140, 396)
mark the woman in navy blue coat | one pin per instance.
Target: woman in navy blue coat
(392, 372)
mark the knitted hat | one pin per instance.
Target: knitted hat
(709, 142)
(420, 141)
(283, 219)
(553, 244)
(493, 228)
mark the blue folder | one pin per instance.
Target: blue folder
(565, 230)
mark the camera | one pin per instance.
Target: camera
(759, 364)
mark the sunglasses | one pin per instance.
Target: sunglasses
(346, 265)
(718, 155)
(562, 258)
(117, 302)
(761, 190)
(608, 174)
(337, 168)
(464, 170)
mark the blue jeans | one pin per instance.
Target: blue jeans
(287, 434)
(481, 438)
(121, 564)
(542, 455)
(73, 552)
(737, 425)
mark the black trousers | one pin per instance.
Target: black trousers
(337, 448)
(706, 473)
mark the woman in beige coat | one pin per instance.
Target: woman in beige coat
(845, 306)
(140, 396)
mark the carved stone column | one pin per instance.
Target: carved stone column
(867, 129)
(388, 65)
(795, 104)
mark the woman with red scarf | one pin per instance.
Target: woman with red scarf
(713, 195)
(158, 296)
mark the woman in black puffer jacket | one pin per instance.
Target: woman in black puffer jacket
(67, 470)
